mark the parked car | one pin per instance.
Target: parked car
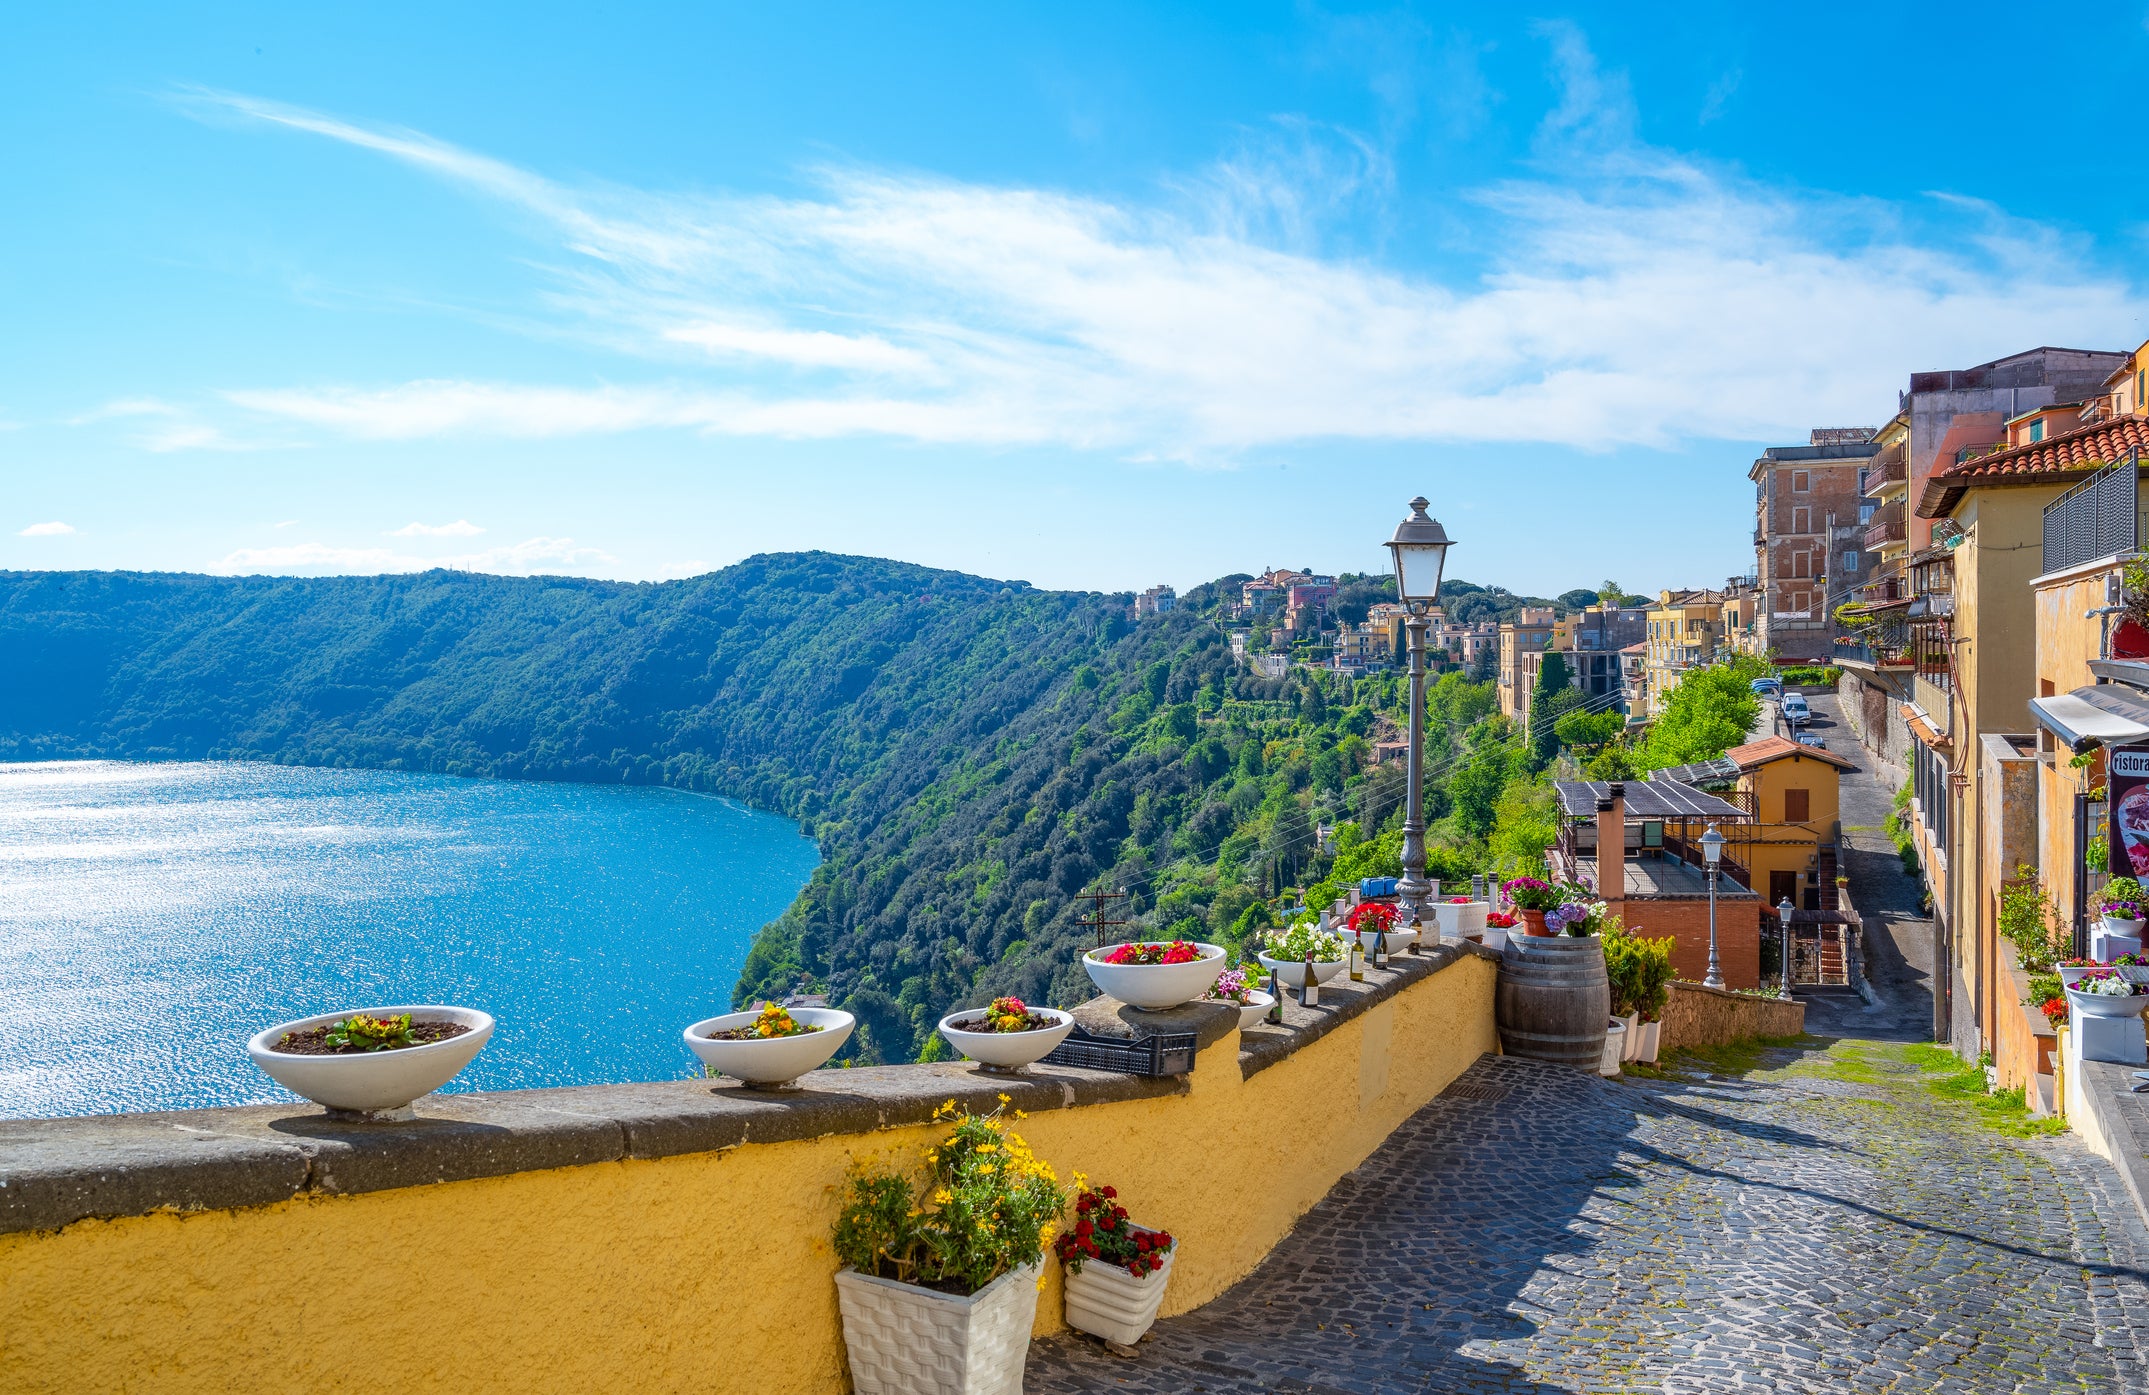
(1807, 738)
(1795, 710)
(1767, 687)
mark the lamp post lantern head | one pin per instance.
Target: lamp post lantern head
(1420, 549)
(1712, 846)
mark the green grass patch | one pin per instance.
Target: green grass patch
(1948, 1077)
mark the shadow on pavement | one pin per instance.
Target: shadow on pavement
(1420, 1253)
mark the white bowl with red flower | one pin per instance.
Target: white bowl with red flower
(1371, 921)
(1240, 988)
(771, 1046)
(1116, 1270)
(1154, 974)
(1007, 1034)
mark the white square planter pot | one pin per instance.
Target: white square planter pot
(1651, 1036)
(1106, 1301)
(1615, 1048)
(1631, 1049)
(906, 1340)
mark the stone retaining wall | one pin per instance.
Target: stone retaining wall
(662, 1236)
(1703, 1016)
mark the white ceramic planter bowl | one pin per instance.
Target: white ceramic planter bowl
(1106, 1301)
(2097, 1005)
(1291, 973)
(1007, 1050)
(1155, 986)
(372, 1081)
(771, 1060)
(2113, 925)
(1254, 1008)
(1399, 941)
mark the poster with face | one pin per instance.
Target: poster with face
(2127, 789)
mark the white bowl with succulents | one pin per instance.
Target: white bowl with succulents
(1148, 974)
(770, 1046)
(1007, 1034)
(371, 1060)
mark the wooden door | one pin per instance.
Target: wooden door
(1782, 886)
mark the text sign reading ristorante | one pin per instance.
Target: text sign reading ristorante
(2127, 789)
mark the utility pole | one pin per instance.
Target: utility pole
(1097, 921)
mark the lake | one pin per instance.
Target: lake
(153, 916)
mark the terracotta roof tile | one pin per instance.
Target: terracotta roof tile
(1770, 748)
(2066, 455)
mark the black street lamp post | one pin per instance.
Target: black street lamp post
(1420, 548)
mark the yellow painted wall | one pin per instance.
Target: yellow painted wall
(2065, 644)
(1782, 847)
(703, 1273)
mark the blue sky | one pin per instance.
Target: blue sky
(1093, 296)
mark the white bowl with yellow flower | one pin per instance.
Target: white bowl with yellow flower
(1008, 1034)
(770, 1045)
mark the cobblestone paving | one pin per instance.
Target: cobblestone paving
(1819, 1222)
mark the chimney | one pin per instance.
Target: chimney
(1612, 844)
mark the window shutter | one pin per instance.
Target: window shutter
(1797, 807)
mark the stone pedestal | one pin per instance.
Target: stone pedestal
(2115, 1039)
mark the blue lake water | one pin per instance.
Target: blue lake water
(153, 916)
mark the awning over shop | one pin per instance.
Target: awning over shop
(1921, 726)
(2103, 714)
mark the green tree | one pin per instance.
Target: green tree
(1711, 710)
(1589, 730)
(1552, 694)
(1475, 785)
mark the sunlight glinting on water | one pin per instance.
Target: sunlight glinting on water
(153, 916)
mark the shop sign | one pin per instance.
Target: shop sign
(2127, 796)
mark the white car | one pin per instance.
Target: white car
(1795, 710)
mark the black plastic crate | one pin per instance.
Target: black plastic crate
(1166, 1053)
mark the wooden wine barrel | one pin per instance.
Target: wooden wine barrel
(1553, 1002)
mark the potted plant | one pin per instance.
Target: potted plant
(1008, 1034)
(2119, 906)
(2105, 993)
(769, 1048)
(1302, 948)
(373, 1061)
(1620, 970)
(1531, 898)
(1241, 988)
(1370, 921)
(938, 1288)
(1154, 974)
(1653, 975)
(1497, 926)
(1462, 918)
(1116, 1270)
(1615, 1048)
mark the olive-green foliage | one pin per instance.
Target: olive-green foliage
(1711, 710)
(1589, 729)
(970, 755)
(1640, 971)
(2028, 920)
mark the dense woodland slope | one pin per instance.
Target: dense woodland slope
(971, 754)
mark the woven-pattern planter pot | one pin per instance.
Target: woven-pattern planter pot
(906, 1340)
(1106, 1301)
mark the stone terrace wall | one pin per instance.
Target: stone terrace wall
(1702, 1016)
(661, 1236)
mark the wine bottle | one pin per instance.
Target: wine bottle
(1309, 992)
(1357, 959)
(1275, 1016)
(1380, 948)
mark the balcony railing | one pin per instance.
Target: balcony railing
(1886, 527)
(1887, 473)
(2100, 517)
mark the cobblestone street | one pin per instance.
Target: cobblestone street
(1820, 1221)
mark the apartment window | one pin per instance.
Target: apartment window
(2141, 380)
(1850, 561)
(1800, 564)
(1866, 511)
(1797, 806)
(1802, 520)
(2037, 429)
(1800, 481)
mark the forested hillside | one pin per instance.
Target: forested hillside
(971, 754)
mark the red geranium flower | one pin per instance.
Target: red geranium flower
(1108, 1193)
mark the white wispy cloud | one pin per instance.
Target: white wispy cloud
(46, 530)
(460, 528)
(1635, 297)
(532, 556)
